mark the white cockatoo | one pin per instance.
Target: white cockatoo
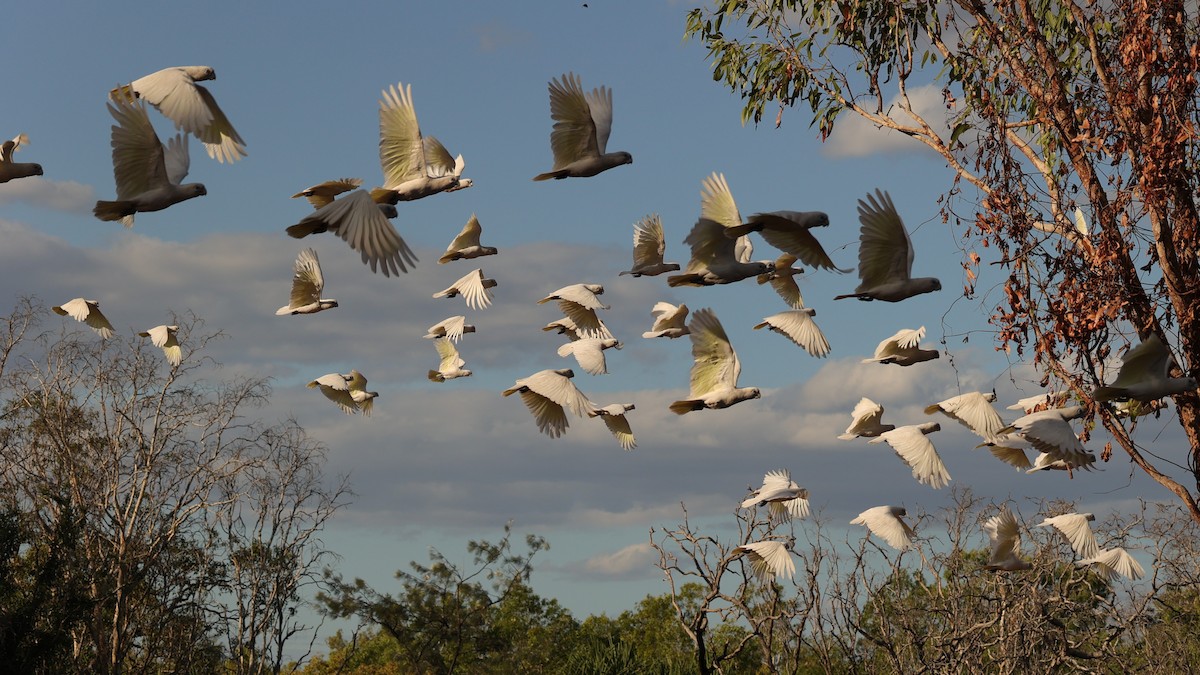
(716, 258)
(87, 311)
(174, 92)
(885, 255)
(912, 445)
(1145, 375)
(1075, 528)
(566, 326)
(887, 522)
(788, 231)
(10, 170)
(582, 124)
(146, 172)
(1110, 562)
(783, 280)
(347, 391)
(360, 221)
(584, 295)
(414, 166)
(649, 245)
(549, 394)
(579, 302)
(589, 353)
(451, 365)
(781, 495)
(715, 369)
(865, 421)
(1049, 462)
(973, 410)
(1050, 399)
(770, 559)
(452, 327)
(669, 321)
(903, 349)
(466, 245)
(614, 418)
(164, 338)
(1049, 431)
(798, 326)
(473, 286)
(307, 284)
(358, 391)
(1005, 536)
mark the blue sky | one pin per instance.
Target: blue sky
(439, 464)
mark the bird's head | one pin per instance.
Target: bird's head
(465, 373)
(565, 372)
(625, 157)
(755, 392)
(196, 189)
(329, 304)
(37, 170)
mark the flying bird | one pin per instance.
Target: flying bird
(912, 445)
(347, 391)
(716, 258)
(473, 286)
(797, 325)
(1051, 399)
(87, 311)
(781, 495)
(887, 522)
(1005, 536)
(866, 422)
(10, 170)
(903, 349)
(452, 327)
(307, 284)
(414, 166)
(1110, 562)
(614, 418)
(1075, 528)
(770, 559)
(147, 174)
(360, 221)
(1049, 431)
(783, 280)
(715, 369)
(451, 365)
(582, 123)
(669, 321)
(973, 410)
(174, 92)
(589, 353)
(885, 255)
(584, 295)
(549, 394)
(565, 326)
(649, 244)
(164, 337)
(1145, 375)
(466, 245)
(579, 303)
(789, 231)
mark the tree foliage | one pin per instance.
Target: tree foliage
(1045, 106)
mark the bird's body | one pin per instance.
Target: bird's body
(414, 166)
(1145, 375)
(582, 124)
(903, 349)
(473, 286)
(866, 422)
(452, 327)
(1110, 562)
(1050, 432)
(451, 365)
(1005, 536)
(781, 495)
(174, 92)
(549, 394)
(164, 337)
(783, 280)
(649, 245)
(307, 284)
(788, 231)
(146, 172)
(614, 418)
(770, 559)
(888, 523)
(715, 369)
(716, 258)
(87, 311)
(579, 303)
(466, 245)
(1075, 528)
(10, 170)
(885, 255)
(589, 353)
(797, 325)
(973, 410)
(669, 321)
(358, 219)
(347, 391)
(912, 445)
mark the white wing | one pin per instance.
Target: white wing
(797, 325)
(885, 522)
(1075, 527)
(917, 451)
(770, 559)
(715, 364)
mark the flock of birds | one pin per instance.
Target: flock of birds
(149, 175)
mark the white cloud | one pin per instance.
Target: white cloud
(632, 561)
(67, 196)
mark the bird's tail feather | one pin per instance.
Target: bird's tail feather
(684, 407)
(115, 210)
